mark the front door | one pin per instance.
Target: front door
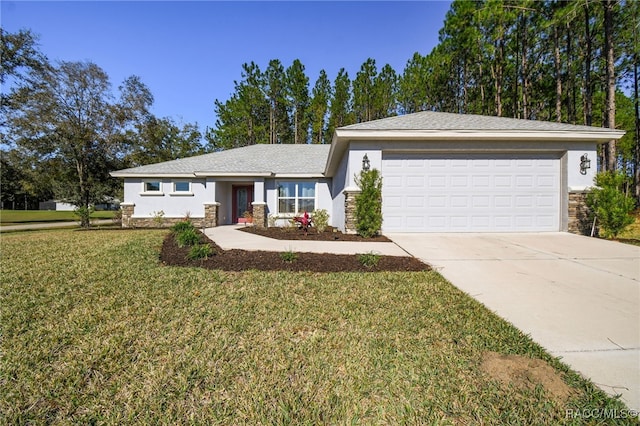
(242, 197)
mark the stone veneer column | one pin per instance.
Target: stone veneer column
(259, 214)
(350, 222)
(127, 214)
(579, 222)
(210, 215)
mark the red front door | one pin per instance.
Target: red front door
(242, 197)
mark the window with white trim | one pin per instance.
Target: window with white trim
(296, 197)
(182, 187)
(152, 187)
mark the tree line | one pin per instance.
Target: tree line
(566, 61)
(63, 129)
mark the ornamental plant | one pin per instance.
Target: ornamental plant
(188, 237)
(369, 260)
(321, 220)
(181, 226)
(200, 251)
(609, 204)
(369, 203)
(304, 222)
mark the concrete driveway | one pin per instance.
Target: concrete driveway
(579, 297)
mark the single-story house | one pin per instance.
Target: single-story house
(109, 203)
(56, 205)
(441, 172)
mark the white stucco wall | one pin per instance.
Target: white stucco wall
(575, 180)
(338, 184)
(173, 205)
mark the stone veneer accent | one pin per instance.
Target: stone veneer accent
(127, 212)
(259, 214)
(128, 221)
(350, 222)
(579, 222)
(211, 215)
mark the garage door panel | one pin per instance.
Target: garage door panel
(472, 193)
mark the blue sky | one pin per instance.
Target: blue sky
(190, 53)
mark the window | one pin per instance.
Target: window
(182, 187)
(151, 186)
(296, 197)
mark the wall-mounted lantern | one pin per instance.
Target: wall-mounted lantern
(585, 164)
(366, 164)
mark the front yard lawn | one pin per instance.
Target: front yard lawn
(15, 217)
(96, 330)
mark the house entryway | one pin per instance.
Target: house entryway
(242, 197)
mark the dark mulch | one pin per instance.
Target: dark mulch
(242, 260)
(293, 233)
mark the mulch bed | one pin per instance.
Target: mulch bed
(293, 233)
(243, 260)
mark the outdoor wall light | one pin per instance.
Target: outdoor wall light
(585, 164)
(366, 164)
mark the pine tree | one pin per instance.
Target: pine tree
(364, 92)
(275, 89)
(321, 95)
(298, 95)
(340, 109)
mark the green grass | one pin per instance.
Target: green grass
(95, 330)
(632, 232)
(14, 217)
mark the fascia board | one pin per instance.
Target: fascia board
(603, 135)
(298, 175)
(233, 174)
(338, 147)
(152, 175)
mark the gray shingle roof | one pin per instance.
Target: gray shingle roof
(429, 120)
(254, 159)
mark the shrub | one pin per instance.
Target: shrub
(289, 256)
(182, 226)
(369, 203)
(320, 219)
(158, 218)
(609, 204)
(200, 251)
(188, 237)
(369, 260)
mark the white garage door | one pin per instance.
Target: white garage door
(470, 192)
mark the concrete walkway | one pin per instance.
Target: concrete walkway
(229, 237)
(579, 297)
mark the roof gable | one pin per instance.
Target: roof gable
(431, 120)
(253, 160)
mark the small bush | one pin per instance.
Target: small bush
(321, 219)
(182, 226)
(369, 260)
(158, 218)
(200, 251)
(369, 203)
(289, 256)
(610, 205)
(188, 237)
